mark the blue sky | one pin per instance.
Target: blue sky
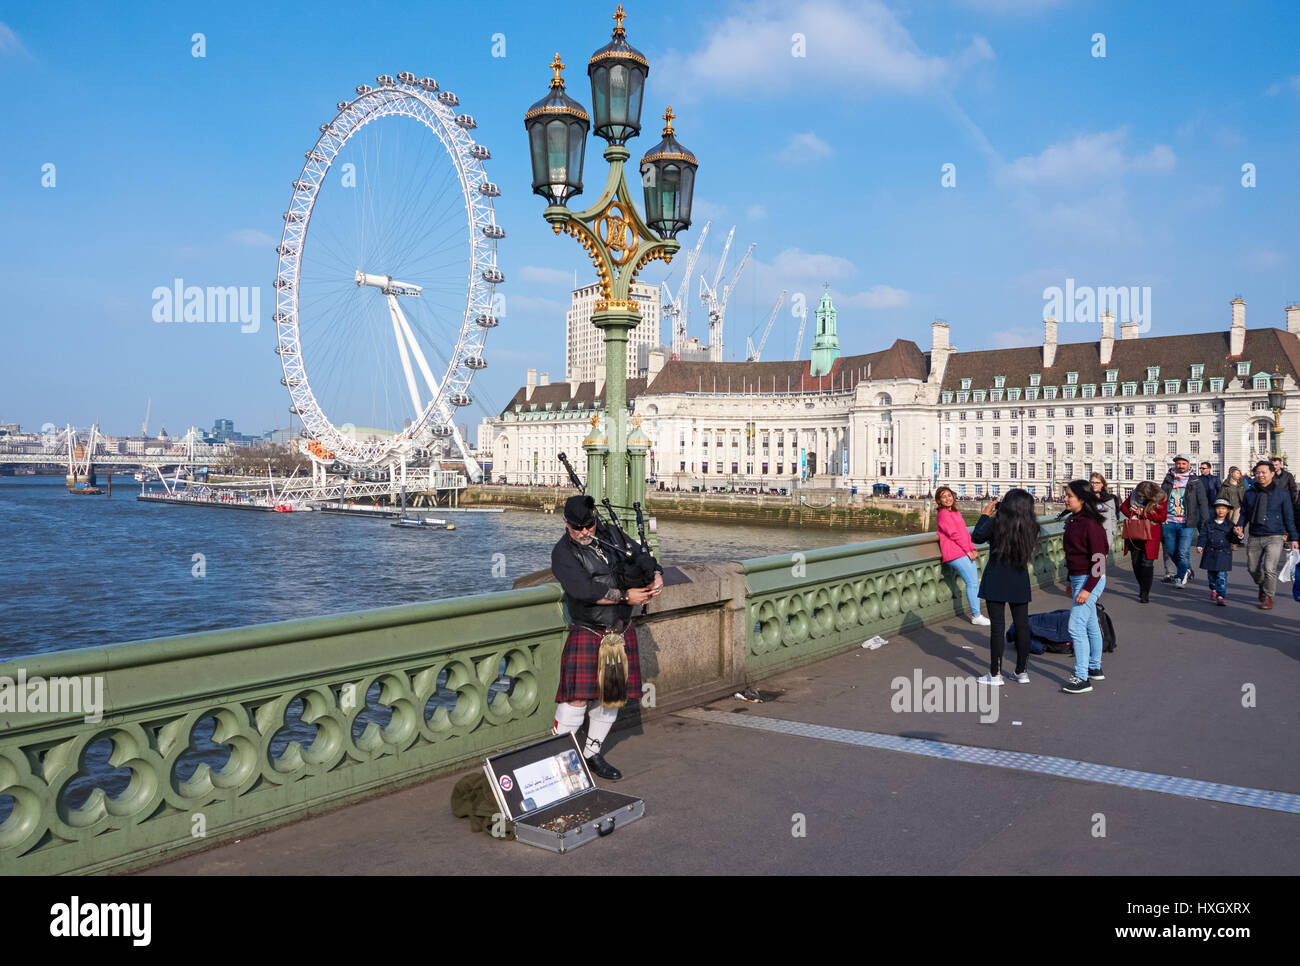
(1122, 170)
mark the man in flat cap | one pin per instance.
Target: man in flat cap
(600, 660)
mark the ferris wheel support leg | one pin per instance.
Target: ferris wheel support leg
(415, 347)
(396, 314)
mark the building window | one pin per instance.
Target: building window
(1128, 429)
(979, 470)
(947, 471)
(995, 396)
(1088, 428)
(1151, 447)
(961, 469)
(979, 449)
(1150, 388)
(962, 415)
(1217, 446)
(1195, 446)
(1029, 471)
(1069, 449)
(1193, 385)
(1035, 379)
(1069, 429)
(1087, 448)
(1194, 429)
(1130, 388)
(1153, 373)
(1128, 472)
(1013, 395)
(1198, 371)
(1216, 385)
(1128, 447)
(947, 397)
(999, 382)
(997, 448)
(979, 397)
(995, 471)
(1173, 446)
(965, 383)
(1031, 394)
(1112, 375)
(1261, 381)
(1243, 368)
(1072, 378)
(1171, 387)
(1032, 449)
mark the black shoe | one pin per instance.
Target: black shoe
(1076, 686)
(1095, 674)
(603, 769)
(1144, 599)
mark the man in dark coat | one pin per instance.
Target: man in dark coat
(588, 571)
(1267, 513)
(1188, 509)
(1211, 483)
(1286, 480)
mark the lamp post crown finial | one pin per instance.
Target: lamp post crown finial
(668, 116)
(619, 17)
(557, 65)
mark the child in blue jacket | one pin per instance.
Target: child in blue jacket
(1215, 547)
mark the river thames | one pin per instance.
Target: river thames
(89, 571)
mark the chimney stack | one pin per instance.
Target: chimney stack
(941, 351)
(544, 379)
(1128, 330)
(1049, 342)
(1107, 337)
(1237, 334)
(530, 383)
(1293, 318)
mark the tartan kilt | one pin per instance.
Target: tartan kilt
(578, 664)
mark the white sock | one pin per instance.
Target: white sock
(568, 719)
(599, 721)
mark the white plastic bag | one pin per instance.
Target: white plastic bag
(1287, 573)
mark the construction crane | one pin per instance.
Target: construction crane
(144, 427)
(675, 308)
(753, 354)
(717, 304)
(803, 321)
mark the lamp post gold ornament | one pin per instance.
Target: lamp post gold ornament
(613, 233)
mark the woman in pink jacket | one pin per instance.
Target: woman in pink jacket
(957, 550)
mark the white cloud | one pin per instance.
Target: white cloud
(545, 276)
(879, 297)
(519, 307)
(1291, 84)
(856, 49)
(756, 213)
(805, 148)
(1263, 259)
(796, 265)
(1014, 338)
(251, 237)
(1086, 158)
(10, 45)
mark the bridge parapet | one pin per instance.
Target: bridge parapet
(313, 714)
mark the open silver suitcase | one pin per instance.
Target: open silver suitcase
(546, 789)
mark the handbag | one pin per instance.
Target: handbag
(1136, 528)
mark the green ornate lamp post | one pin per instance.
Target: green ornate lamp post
(1277, 403)
(613, 233)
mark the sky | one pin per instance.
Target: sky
(824, 130)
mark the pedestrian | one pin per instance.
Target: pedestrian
(1210, 483)
(1187, 510)
(1146, 506)
(956, 549)
(1267, 513)
(1286, 479)
(1215, 548)
(1234, 488)
(583, 562)
(1108, 504)
(1010, 528)
(1085, 561)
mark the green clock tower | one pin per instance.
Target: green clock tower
(826, 345)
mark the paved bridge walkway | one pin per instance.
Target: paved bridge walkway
(1158, 757)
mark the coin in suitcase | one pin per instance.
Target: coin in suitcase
(546, 789)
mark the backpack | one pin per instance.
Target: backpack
(1107, 628)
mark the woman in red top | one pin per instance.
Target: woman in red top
(1147, 502)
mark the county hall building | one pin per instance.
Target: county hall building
(981, 422)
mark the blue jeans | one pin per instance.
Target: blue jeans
(969, 573)
(1085, 631)
(1218, 581)
(1178, 544)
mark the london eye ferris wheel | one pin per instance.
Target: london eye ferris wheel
(387, 276)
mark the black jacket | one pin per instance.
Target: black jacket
(1195, 505)
(1001, 581)
(587, 575)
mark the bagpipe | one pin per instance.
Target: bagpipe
(635, 565)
